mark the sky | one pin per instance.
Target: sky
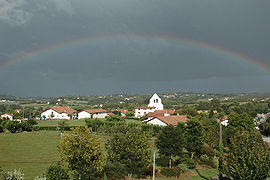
(86, 47)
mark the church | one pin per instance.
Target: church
(155, 103)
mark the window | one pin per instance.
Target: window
(156, 100)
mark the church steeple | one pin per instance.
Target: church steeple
(156, 102)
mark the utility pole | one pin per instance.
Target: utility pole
(154, 165)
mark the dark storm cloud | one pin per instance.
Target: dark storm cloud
(133, 65)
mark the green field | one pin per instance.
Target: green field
(33, 152)
(75, 122)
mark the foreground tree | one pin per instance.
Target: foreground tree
(130, 151)
(83, 151)
(248, 157)
(194, 137)
(170, 141)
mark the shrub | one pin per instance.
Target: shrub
(115, 118)
(31, 122)
(171, 172)
(13, 126)
(13, 175)
(209, 151)
(149, 171)
(1, 128)
(26, 126)
(56, 171)
(206, 160)
(190, 163)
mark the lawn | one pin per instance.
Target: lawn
(31, 152)
(54, 123)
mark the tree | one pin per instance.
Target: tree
(188, 110)
(130, 151)
(194, 137)
(241, 121)
(170, 141)
(83, 151)
(248, 157)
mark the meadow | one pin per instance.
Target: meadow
(33, 152)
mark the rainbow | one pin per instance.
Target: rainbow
(162, 38)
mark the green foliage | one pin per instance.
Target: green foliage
(171, 172)
(188, 110)
(117, 113)
(13, 126)
(248, 157)
(62, 125)
(265, 127)
(241, 121)
(83, 151)
(56, 171)
(194, 137)
(1, 128)
(131, 150)
(115, 118)
(211, 130)
(186, 160)
(170, 141)
(13, 175)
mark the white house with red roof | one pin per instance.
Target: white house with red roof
(7, 115)
(59, 112)
(155, 103)
(92, 113)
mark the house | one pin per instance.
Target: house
(167, 120)
(155, 103)
(59, 112)
(142, 111)
(92, 113)
(7, 116)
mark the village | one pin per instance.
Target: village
(159, 126)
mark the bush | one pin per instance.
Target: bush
(209, 151)
(26, 126)
(13, 175)
(149, 171)
(115, 118)
(13, 126)
(56, 171)
(31, 122)
(190, 163)
(1, 128)
(171, 172)
(206, 160)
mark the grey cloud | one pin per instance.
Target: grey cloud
(12, 12)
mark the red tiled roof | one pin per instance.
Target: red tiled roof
(172, 120)
(91, 111)
(123, 111)
(62, 109)
(110, 114)
(165, 111)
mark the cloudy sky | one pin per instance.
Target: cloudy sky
(67, 47)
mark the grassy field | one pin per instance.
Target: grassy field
(75, 122)
(33, 152)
